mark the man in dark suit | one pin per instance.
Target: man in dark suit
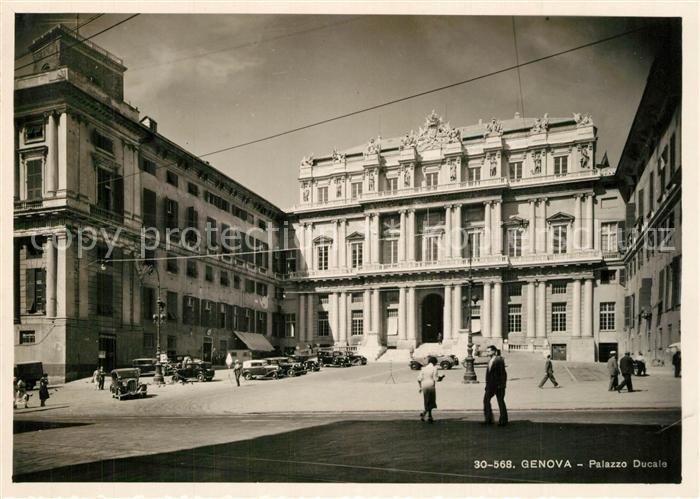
(548, 373)
(626, 369)
(613, 371)
(495, 385)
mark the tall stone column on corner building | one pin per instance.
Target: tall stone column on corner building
(447, 246)
(61, 275)
(497, 322)
(62, 153)
(577, 223)
(302, 318)
(333, 317)
(486, 312)
(310, 316)
(588, 307)
(589, 222)
(411, 313)
(343, 317)
(457, 236)
(342, 247)
(541, 309)
(402, 235)
(456, 310)
(376, 234)
(543, 246)
(531, 309)
(336, 245)
(367, 250)
(497, 228)
(532, 228)
(488, 235)
(447, 313)
(51, 267)
(375, 313)
(411, 236)
(576, 309)
(366, 312)
(51, 154)
(403, 333)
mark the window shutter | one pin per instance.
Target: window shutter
(118, 194)
(165, 213)
(196, 319)
(185, 313)
(30, 292)
(623, 277)
(229, 317)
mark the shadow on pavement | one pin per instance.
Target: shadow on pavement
(403, 451)
(27, 426)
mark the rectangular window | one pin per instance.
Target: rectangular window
(558, 317)
(149, 208)
(102, 142)
(223, 278)
(473, 244)
(261, 323)
(171, 178)
(431, 179)
(191, 268)
(27, 337)
(34, 178)
(607, 276)
(323, 326)
(561, 165)
(147, 165)
(559, 288)
(559, 239)
(172, 343)
(356, 189)
(515, 289)
(516, 170)
(171, 305)
(171, 263)
(607, 316)
(249, 286)
(290, 325)
(515, 318)
(104, 295)
(608, 236)
(323, 299)
(356, 255)
(515, 242)
(211, 229)
(171, 214)
(208, 273)
(236, 282)
(323, 194)
(357, 298)
(432, 245)
(357, 323)
(391, 251)
(217, 201)
(33, 132)
(193, 189)
(187, 310)
(392, 184)
(651, 192)
(261, 289)
(474, 174)
(640, 203)
(104, 189)
(223, 312)
(322, 257)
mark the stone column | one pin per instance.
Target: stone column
(402, 314)
(531, 309)
(486, 240)
(333, 317)
(543, 247)
(343, 263)
(301, 329)
(343, 317)
(310, 316)
(51, 276)
(375, 312)
(402, 236)
(589, 221)
(486, 312)
(51, 154)
(375, 238)
(497, 228)
(411, 237)
(367, 250)
(448, 232)
(457, 235)
(366, 306)
(336, 245)
(576, 314)
(541, 309)
(411, 313)
(447, 313)
(497, 322)
(577, 223)
(62, 153)
(588, 307)
(532, 229)
(456, 310)
(61, 276)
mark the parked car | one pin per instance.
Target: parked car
(199, 370)
(356, 359)
(333, 359)
(126, 383)
(444, 361)
(309, 363)
(146, 365)
(29, 372)
(288, 367)
(259, 369)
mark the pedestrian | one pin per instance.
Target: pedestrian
(96, 378)
(101, 378)
(641, 365)
(439, 338)
(22, 396)
(496, 378)
(613, 371)
(427, 379)
(677, 364)
(548, 373)
(44, 389)
(627, 370)
(237, 369)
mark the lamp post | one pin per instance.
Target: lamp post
(159, 318)
(469, 373)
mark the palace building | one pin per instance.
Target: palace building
(510, 229)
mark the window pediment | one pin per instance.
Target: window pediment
(515, 222)
(355, 236)
(323, 240)
(560, 218)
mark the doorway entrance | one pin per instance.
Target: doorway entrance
(559, 351)
(604, 350)
(108, 352)
(206, 350)
(431, 319)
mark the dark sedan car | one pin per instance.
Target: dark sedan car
(288, 367)
(309, 363)
(199, 370)
(444, 361)
(334, 359)
(357, 360)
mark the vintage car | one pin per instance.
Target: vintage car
(288, 367)
(146, 365)
(333, 358)
(198, 369)
(309, 363)
(29, 372)
(444, 361)
(125, 383)
(259, 369)
(356, 359)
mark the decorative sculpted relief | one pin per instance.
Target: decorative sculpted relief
(541, 124)
(583, 119)
(307, 160)
(537, 157)
(338, 187)
(493, 160)
(584, 155)
(374, 147)
(337, 157)
(494, 127)
(306, 192)
(433, 134)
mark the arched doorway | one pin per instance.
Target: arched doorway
(431, 318)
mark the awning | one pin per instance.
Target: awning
(255, 342)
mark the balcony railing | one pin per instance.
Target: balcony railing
(106, 214)
(546, 179)
(28, 204)
(576, 256)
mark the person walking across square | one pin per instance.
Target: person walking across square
(237, 369)
(613, 371)
(44, 389)
(627, 370)
(548, 373)
(427, 379)
(496, 378)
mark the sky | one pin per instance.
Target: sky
(213, 81)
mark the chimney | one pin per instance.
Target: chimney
(150, 123)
